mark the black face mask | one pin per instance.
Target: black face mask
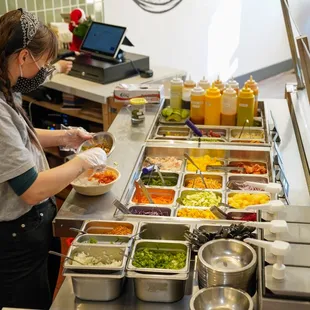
(25, 85)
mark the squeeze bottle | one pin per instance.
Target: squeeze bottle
(219, 84)
(189, 83)
(176, 87)
(186, 94)
(234, 84)
(205, 84)
(229, 107)
(254, 86)
(197, 105)
(245, 110)
(213, 106)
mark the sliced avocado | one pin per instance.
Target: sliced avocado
(167, 111)
(177, 111)
(185, 113)
(174, 117)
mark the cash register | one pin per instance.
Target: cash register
(102, 59)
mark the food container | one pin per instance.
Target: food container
(146, 210)
(165, 163)
(101, 239)
(103, 227)
(159, 196)
(236, 163)
(212, 133)
(182, 200)
(191, 176)
(163, 231)
(253, 193)
(221, 298)
(226, 262)
(94, 190)
(157, 287)
(102, 139)
(104, 253)
(166, 246)
(174, 133)
(211, 228)
(149, 179)
(202, 163)
(235, 180)
(198, 210)
(96, 287)
(247, 134)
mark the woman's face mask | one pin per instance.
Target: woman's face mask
(27, 85)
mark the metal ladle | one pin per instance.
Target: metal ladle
(65, 256)
(198, 170)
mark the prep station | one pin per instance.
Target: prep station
(279, 156)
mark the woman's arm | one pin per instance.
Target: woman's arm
(50, 182)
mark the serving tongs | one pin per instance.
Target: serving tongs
(141, 187)
(224, 168)
(150, 172)
(65, 256)
(198, 169)
(121, 207)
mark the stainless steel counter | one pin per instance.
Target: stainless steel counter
(130, 140)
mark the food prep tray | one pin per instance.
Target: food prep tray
(172, 133)
(212, 217)
(167, 176)
(158, 288)
(187, 191)
(101, 252)
(102, 227)
(156, 161)
(244, 178)
(163, 211)
(232, 193)
(101, 239)
(168, 246)
(192, 176)
(163, 231)
(96, 287)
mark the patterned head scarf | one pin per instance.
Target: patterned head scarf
(24, 33)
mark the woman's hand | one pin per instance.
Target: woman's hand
(73, 138)
(95, 157)
(63, 66)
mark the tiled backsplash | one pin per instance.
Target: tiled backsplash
(50, 10)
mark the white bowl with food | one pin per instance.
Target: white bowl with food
(104, 140)
(92, 183)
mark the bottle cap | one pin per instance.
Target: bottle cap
(189, 83)
(251, 83)
(219, 84)
(229, 91)
(246, 92)
(213, 92)
(176, 81)
(233, 83)
(205, 84)
(197, 91)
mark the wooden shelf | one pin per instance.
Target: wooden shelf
(89, 115)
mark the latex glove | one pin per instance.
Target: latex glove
(73, 138)
(95, 157)
(63, 66)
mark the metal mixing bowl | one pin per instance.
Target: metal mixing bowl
(229, 256)
(221, 298)
(99, 138)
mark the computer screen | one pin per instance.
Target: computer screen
(103, 39)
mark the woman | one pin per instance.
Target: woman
(26, 182)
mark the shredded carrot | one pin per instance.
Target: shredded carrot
(158, 199)
(120, 230)
(104, 177)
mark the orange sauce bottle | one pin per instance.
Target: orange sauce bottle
(197, 115)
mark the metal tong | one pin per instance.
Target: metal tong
(225, 168)
(146, 193)
(120, 207)
(198, 170)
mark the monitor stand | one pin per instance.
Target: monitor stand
(118, 59)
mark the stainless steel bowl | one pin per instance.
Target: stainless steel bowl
(99, 138)
(221, 298)
(229, 256)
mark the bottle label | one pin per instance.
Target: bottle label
(196, 104)
(243, 105)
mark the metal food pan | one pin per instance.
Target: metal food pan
(175, 132)
(234, 134)
(166, 176)
(189, 191)
(101, 239)
(159, 288)
(96, 287)
(222, 161)
(245, 178)
(167, 246)
(211, 228)
(101, 252)
(165, 211)
(190, 176)
(232, 193)
(194, 218)
(103, 227)
(206, 130)
(249, 162)
(163, 231)
(163, 192)
(155, 160)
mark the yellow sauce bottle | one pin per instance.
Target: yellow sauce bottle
(205, 84)
(229, 107)
(233, 84)
(246, 103)
(176, 88)
(254, 86)
(213, 106)
(219, 84)
(197, 113)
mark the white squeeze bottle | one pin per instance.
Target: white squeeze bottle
(176, 89)
(204, 84)
(234, 84)
(229, 107)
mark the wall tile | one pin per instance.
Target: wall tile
(30, 5)
(49, 16)
(65, 2)
(2, 9)
(41, 17)
(48, 4)
(11, 5)
(21, 4)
